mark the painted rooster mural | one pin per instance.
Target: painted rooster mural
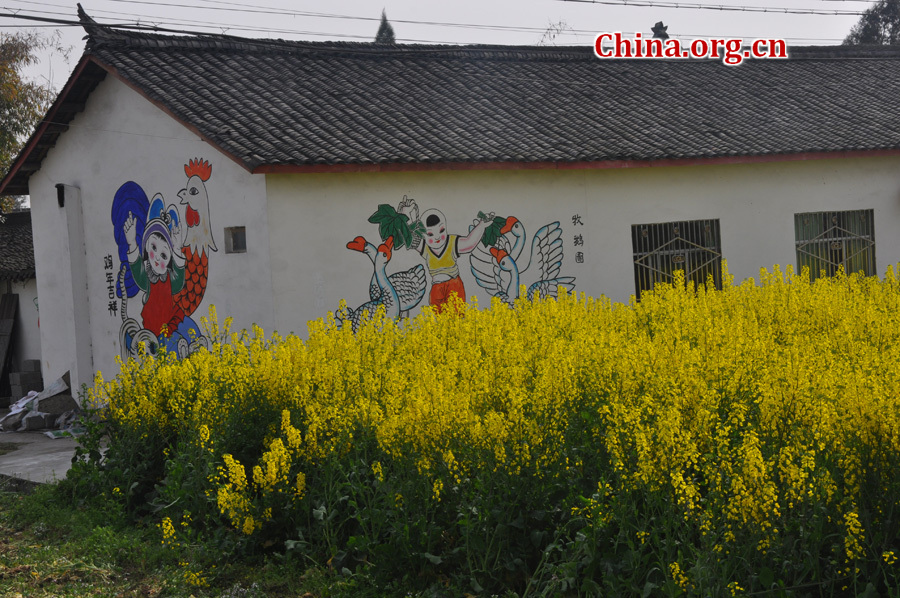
(164, 256)
(198, 237)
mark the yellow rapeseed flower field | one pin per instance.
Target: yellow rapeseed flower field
(748, 408)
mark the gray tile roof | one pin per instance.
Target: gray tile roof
(342, 103)
(282, 104)
(16, 247)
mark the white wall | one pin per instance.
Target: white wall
(122, 137)
(297, 266)
(312, 217)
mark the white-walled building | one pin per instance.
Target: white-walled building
(175, 173)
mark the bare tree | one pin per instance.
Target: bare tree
(553, 31)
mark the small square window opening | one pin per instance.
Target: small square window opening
(236, 239)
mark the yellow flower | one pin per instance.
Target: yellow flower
(679, 577)
(437, 488)
(168, 531)
(742, 407)
(853, 537)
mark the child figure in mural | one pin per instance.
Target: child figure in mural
(167, 268)
(442, 250)
(158, 270)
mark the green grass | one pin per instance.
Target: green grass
(50, 547)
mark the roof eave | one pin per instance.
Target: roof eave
(84, 79)
(18, 276)
(566, 165)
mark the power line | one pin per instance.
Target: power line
(213, 25)
(158, 29)
(33, 26)
(719, 7)
(218, 25)
(14, 15)
(157, 21)
(285, 12)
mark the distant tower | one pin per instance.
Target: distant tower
(659, 31)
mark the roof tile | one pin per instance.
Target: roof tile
(16, 247)
(301, 103)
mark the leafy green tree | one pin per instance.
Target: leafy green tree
(659, 30)
(385, 33)
(22, 102)
(880, 24)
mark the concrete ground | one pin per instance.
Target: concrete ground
(37, 458)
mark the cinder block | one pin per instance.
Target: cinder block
(16, 392)
(31, 365)
(11, 422)
(34, 421)
(14, 378)
(29, 378)
(56, 404)
(37, 386)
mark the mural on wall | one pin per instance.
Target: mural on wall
(494, 246)
(398, 293)
(499, 266)
(163, 256)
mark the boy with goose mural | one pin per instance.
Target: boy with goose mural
(494, 245)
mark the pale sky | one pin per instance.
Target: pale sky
(506, 22)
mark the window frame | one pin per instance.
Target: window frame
(659, 248)
(835, 238)
(233, 233)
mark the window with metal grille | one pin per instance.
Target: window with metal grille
(693, 246)
(828, 240)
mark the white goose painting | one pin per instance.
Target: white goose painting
(499, 268)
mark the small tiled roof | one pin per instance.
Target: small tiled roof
(276, 104)
(16, 247)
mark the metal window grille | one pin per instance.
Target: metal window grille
(693, 246)
(827, 241)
